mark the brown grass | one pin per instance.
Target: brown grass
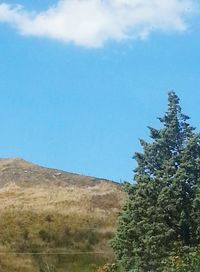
(50, 211)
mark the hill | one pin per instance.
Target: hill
(27, 174)
(53, 220)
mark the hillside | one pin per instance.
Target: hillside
(54, 221)
(27, 174)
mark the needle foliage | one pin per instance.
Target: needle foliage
(161, 218)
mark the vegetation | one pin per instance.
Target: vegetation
(52, 221)
(48, 227)
(159, 226)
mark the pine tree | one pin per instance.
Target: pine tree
(162, 214)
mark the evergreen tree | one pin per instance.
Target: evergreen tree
(162, 214)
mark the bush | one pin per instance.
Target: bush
(186, 261)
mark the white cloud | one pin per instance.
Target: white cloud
(91, 23)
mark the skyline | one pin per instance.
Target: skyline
(82, 108)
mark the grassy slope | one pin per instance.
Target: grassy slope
(66, 217)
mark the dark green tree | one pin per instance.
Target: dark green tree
(161, 217)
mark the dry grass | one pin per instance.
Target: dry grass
(53, 211)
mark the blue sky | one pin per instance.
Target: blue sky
(81, 104)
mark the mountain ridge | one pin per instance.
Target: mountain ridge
(46, 211)
(26, 173)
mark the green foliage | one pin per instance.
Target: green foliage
(185, 260)
(163, 206)
(109, 268)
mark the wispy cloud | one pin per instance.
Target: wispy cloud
(91, 23)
